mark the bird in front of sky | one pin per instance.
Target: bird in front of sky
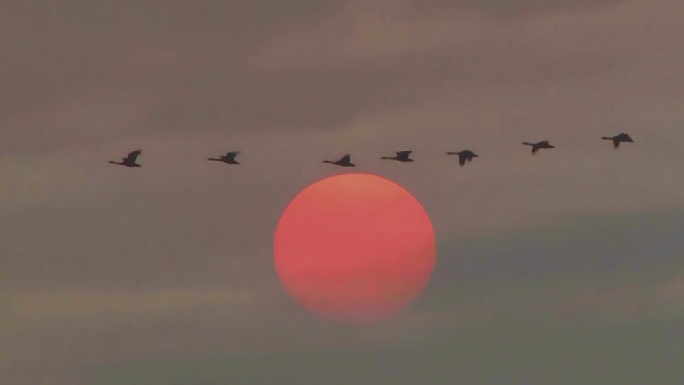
(229, 158)
(463, 156)
(402, 156)
(129, 160)
(344, 161)
(619, 138)
(539, 145)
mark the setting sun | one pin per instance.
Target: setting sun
(354, 247)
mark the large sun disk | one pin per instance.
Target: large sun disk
(354, 247)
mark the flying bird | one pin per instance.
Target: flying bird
(402, 156)
(345, 161)
(538, 145)
(129, 160)
(619, 138)
(463, 156)
(229, 158)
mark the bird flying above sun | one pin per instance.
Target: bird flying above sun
(354, 248)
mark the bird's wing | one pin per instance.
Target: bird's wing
(461, 159)
(231, 155)
(346, 158)
(616, 143)
(404, 153)
(133, 155)
(534, 149)
(544, 142)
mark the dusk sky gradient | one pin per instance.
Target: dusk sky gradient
(562, 268)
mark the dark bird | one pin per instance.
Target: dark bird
(229, 158)
(617, 139)
(129, 161)
(402, 156)
(538, 145)
(463, 156)
(344, 161)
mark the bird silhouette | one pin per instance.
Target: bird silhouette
(229, 158)
(463, 156)
(402, 156)
(619, 138)
(129, 160)
(344, 161)
(539, 145)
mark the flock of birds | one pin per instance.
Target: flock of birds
(401, 156)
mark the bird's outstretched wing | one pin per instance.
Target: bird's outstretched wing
(404, 153)
(231, 155)
(462, 159)
(616, 142)
(346, 158)
(132, 156)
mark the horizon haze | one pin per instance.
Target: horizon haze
(560, 268)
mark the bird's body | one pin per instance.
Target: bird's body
(464, 156)
(229, 158)
(129, 160)
(544, 144)
(402, 156)
(619, 138)
(345, 161)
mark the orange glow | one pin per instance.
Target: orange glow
(354, 247)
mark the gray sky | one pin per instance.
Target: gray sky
(106, 268)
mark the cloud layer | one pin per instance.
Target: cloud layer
(102, 265)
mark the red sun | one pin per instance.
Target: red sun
(354, 248)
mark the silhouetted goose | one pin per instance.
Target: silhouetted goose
(619, 138)
(463, 156)
(129, 161)
(402, 156)
(538, 145)
(345, 161)
(229, 158)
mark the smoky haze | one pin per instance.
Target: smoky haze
(558, 267)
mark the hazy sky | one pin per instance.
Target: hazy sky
(559, 267)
